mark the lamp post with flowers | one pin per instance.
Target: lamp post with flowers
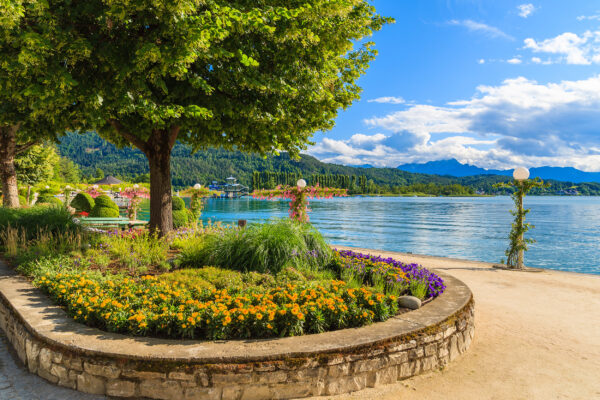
(298, 196)
(518, 243)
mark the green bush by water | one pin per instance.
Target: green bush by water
(83, 202)
(180, 218)
(104, 212)
(105, 207)
(178, 203)
(265, 247)
(105, 201)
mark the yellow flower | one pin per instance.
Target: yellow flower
(259, 316)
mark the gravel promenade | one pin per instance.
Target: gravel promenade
(537, 337)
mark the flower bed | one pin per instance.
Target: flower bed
(271, 280)
(389, 275)
(152, 307)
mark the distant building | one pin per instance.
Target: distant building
(231, 189)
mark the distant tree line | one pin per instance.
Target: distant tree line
(90, 153)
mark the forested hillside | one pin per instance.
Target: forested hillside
(91, 152)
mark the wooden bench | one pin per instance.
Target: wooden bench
(120, 222)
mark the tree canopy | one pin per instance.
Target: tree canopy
(37, 100)
(256, 76)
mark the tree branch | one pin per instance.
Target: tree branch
(173, 132)
(24, 147)
(134, 140)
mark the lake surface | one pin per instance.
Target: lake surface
(567, 229)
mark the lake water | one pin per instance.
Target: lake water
(567, 229)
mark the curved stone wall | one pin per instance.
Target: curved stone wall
(69, 354)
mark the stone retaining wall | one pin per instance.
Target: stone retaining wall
(323, 364)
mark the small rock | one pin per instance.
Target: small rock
(409, 302)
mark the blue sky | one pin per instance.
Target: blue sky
(496, 84)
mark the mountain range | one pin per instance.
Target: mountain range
(454, 168)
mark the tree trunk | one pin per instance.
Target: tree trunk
(158, 150)
(8, 174)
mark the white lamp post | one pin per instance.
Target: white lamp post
(520, 174)
(301, 183)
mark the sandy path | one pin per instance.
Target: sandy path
(537, 336)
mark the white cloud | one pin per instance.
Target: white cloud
(514, 60)
(388, 100)
(481, 61)
(536, 60)
(589, 17)
(519, 122)
(525, 10)
(573, 49)
(481, 27)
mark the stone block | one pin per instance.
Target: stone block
(271, 377)
(256, 392)
(369, 365)
(338, 370)
(181, 376)
(403, 346)
(60, 371)
(287, 391)
(90, 384)
(416, 353)
(73, 363)
(383, 376)
(448, 332)
(345, 385)
(45, 359)
(234, 379)
(202, 393)
(120, 388)
(453, 347)
(306, 374)
(232, 392)
(429, 363)
(160, 389)
(104, 370)
(431, 349)
(32, 350)
(398, 358)
(47, 375)
(130, 373)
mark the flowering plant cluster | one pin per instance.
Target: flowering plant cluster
(149, 306)
(298, 197)
(393, 273)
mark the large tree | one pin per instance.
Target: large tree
(259, 76)
(36, 97)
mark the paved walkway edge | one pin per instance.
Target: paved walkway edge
(69, 354)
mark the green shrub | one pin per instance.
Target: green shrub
(180, 218)
(264, 248)
(47, 199)
(31, 221)
(83, 202)
(178, 203)
(104, 212)
(105, 201)
(23, 200)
